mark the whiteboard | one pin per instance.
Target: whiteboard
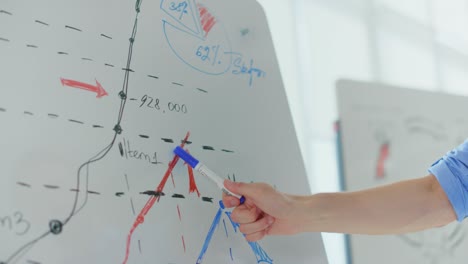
(390, 134)
(96, 95)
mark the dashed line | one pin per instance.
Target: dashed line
(207, 199)
(107, 37)
(4, 39)
(139, 245)
(179, 84)
(5, 12)
(153, 193)
(97, 126)
(208, 148)
(133, 99)
(186, 142)
(201, 90)
(133, 207)
(119, 194)
(73, 28)
(31, 46)
(62, 53)
(144, 136)
(2, 109)
(109, 65)
(227, 150)
(87, 59)
(179, 196)
(154, 77)
(74, 190)
(28, 113)
(167, 140)
(127, 69)
(52, 115)
(51, 186)
(93, 192)
(76, 121)
(32, 262)
(23, 184)
(41, 22)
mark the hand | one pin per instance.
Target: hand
(264, 212)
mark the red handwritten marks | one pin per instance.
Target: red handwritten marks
(183, 243)
(192, 185)
(207, 20)
(383, 156)
(98, 89)
(178, 211)
(152, 200)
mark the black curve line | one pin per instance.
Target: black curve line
(5, 12)
(41, 22)
(73, 28)
(117, 130)
(106, 36)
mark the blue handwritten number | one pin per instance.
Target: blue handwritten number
(181, 7)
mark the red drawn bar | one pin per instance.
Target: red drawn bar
(152, 200)
(383, 156)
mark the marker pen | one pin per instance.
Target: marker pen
(203, 170)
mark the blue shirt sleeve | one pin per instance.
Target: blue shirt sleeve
(452, 173)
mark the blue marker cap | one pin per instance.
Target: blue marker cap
(193, 162)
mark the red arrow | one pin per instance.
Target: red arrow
(100, 92)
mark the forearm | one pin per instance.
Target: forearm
(402, 207)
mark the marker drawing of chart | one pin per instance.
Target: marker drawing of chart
(193, 25)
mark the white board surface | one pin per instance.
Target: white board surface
(390, 134)
(96, 95)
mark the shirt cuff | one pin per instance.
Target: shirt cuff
(451, 185)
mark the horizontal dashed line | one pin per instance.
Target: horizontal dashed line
(179, 84)
(106, 36)
(186, 142)
(227, 150)
(127, 69)
(207, 199)
(41, 22)
(208, 148)
(5, 12)
(76, 121)
(2, 109)
(118, 194)
(179, 196)
(52, 115)
(51, 186)
(97, 126)
(32, 262)
(167, 140)
(109, 65)
(28, 113)
(4, 39)
(93, 192)
(152, 76)
(87, 59)
(144, 136)
(153, 193)
(73, 28)
(23, 184)
(133, 99)
(201, 90)
(62, 53)
(31, 46)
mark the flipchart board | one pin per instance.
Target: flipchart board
(96, 95)
(390, 134)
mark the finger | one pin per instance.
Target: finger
(246, 213)
(230, 201)
(259, 225)
(255, 236)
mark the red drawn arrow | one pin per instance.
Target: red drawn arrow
(100, 92)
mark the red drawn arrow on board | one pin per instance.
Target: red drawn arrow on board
(100, 92)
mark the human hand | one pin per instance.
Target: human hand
(264, 212)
